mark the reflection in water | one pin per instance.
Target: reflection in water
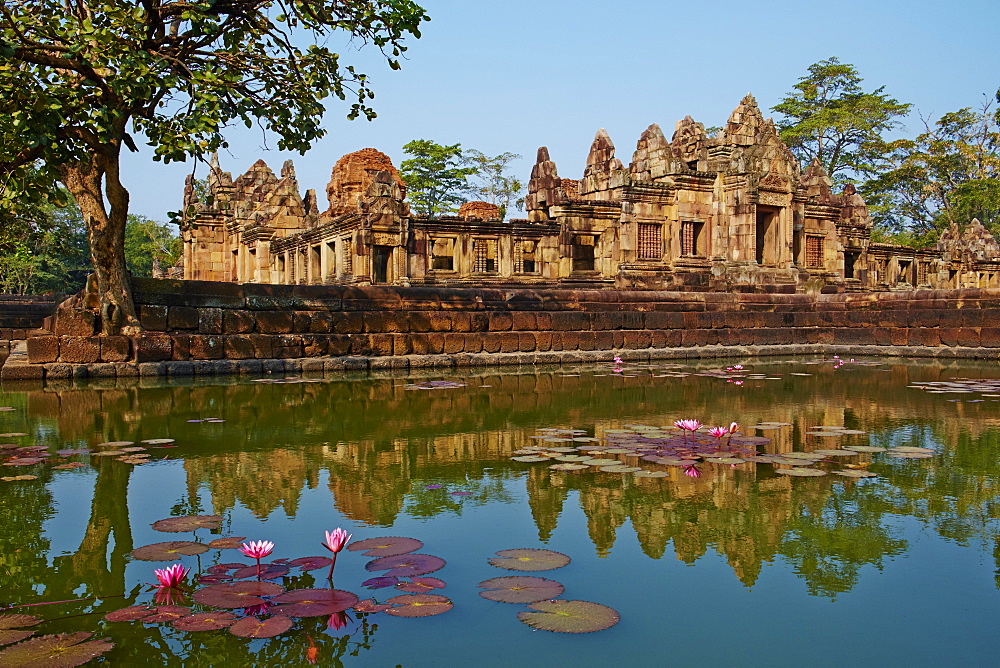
(378, 444)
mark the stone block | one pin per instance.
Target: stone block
(385, 322)
(207, 347)
(320, 322)
(898, 336)
(586, 340)
(153, 317)
(263, 345)
(441, 322)
(491, 342)
(75, 322)
(948, 335)
(287, 346)
(380, 344)
(237, 322)
(523, 321)
(147, 369)
(101, 370)
(42, 349)
(338, 344)
(182, 317)
(347, 323)
(245, 367)
(663, 320)
(460, 321)
(509, 342)
(526, 342)
(315, 345)
(152, 347)
(274, 322)
(401, 344)
(301, 321)
(543, 341)
(571, 321)
(272, 366)
(182, 347)
(210, 321)
(500, 321)
(968, 336)
(989, 337)
(178, 368)
(237, 347)
(116, 349)
(80, 349)
(479, 321)
(126, 370)
(697, 337)
(924, 336)
(643, 338)
(418, 321)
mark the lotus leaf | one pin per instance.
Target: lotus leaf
(569, 616)
(251, 627)
(169, 550)
(389, 546)
(62, 650)
(419, 605)
(520, 589)
(529, 559)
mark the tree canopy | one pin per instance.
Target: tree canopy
(435, 179)
(829, 116)
(491, 182)
(81, 80)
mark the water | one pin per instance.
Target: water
(739, 566)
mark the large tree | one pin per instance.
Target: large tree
(81, 79)
(829, 116)
(491, 182)
(948, 175)
(435, 178)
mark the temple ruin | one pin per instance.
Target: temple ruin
(730, 212)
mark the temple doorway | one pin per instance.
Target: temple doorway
(380, 263)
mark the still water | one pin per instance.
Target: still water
(738, 566)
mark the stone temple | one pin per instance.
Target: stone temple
(730, 212)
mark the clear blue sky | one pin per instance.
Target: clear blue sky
(516, 75)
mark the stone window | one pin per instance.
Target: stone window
(282, 268)
(347, 247)
(485, 253)
(524, 256)
(650, 241)
(692, 243)
(814, 251)
(315, 262)
(850, 259)
(443, 254)
(921, 273)
(904, 271)
(583, 252)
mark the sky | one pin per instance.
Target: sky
(520, 74)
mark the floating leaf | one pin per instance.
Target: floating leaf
(169, 550)
(529, 559)
(62, 650)
(419, 605)
(310, 563)
(369, 605)
(227, 543)
(158, 441)
(71, 465)
(251, 627)
(18, 621)
(569, 616)
(433, 486)
(205, 621)
(910, 448)
(864, 448)
(188, 523)
(651, 474)
(237, 594)
(167, 613)
(8, 636)
(420, 585)
(801, 472)
(380, 582)
(263, 572)
(520, 589)
(389, 546)
(115, 444)
(130, 614)
(848, 473)
(406, 565)
(313, 602)
(530, 459)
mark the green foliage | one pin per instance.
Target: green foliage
(828, 116)
(490, 181)
(43, 250)
(435, 178)
(149, 245)
(948, 175)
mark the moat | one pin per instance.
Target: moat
(737, 562)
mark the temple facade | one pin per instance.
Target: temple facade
(730, 212)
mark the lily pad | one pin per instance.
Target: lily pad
(264, 572)
(169, 550)
(18, 621)
(188, 523)
(389, 546)
(130, 614)
(380, 582)
(419, 605)
(406, 565)
(864, 448)
(115, 444)
(568, 467)
(227, 542)
(8, 636)
(801, 472)
(421, 585)
(520, 589)
(852, 473)
(205, 621)
(313, 602)
(530, 459)
(167, 613)
(529, 559)
(251, 627)
(569, 616)
(62, 650)
(158, 441)
(310, 563)
(369, 605)
(236, 594)
(910, 448)
(652, 474)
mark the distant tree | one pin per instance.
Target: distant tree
(948, 175)
(43, 250)
(435, 179)
(149, 245)
(79, 79)
(830, 117)
(490, 181)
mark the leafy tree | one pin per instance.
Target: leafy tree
(79, 79)
(43, 249)
(948, 175)
(830, 117)
(490, 182)
(149, 245)
(435, 178)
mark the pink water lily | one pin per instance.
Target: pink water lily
(718, 432)
(692, 471)
(688, 425)
(172, 576)
(335, 542)
(257, 549)
(734, 427)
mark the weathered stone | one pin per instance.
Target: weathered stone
(42, 349)
(79, 349)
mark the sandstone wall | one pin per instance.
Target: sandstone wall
(191, 322)
(21, 313)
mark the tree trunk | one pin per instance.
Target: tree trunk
(106, 233)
